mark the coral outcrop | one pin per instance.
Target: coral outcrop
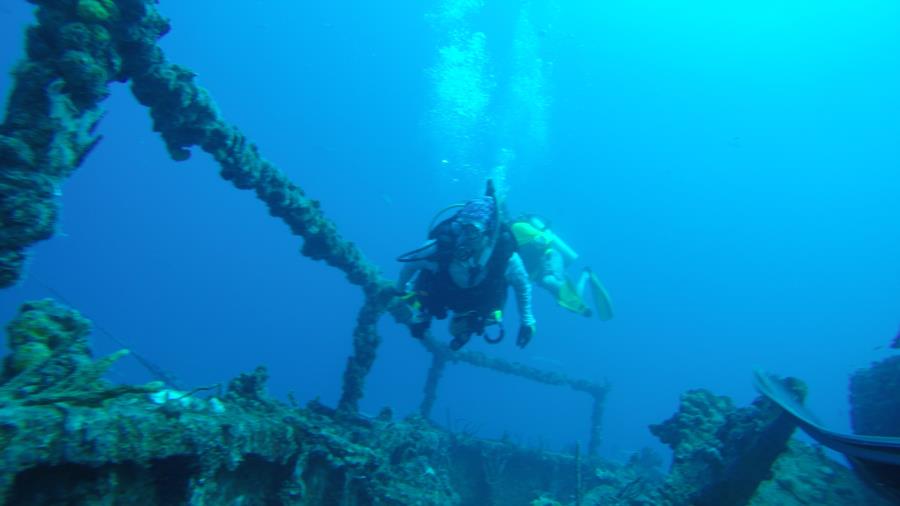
(875, 405)
(722, 454)
(805, 475)
(41, 329)
(96, 11)
(68, 435)
(50, 362)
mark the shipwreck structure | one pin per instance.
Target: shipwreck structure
(75, 52)
(66, 434)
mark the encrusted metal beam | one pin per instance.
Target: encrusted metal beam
(441, 354)
(438, 364)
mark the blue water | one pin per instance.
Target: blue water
(731, 173)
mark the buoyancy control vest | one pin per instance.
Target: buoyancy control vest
(439, 293)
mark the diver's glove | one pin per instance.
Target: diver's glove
(526, 332)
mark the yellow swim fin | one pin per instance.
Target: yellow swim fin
(601, 298)
(569, 299)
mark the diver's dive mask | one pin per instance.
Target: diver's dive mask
(470, 239)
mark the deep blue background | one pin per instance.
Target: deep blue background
(732, 173)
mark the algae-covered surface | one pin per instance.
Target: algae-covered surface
(68, 435)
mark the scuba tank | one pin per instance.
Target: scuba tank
(554, 240)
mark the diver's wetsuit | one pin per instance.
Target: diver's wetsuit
(477, 285)
(544, 263)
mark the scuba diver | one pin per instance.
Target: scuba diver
(546, 257)
(466, 267)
